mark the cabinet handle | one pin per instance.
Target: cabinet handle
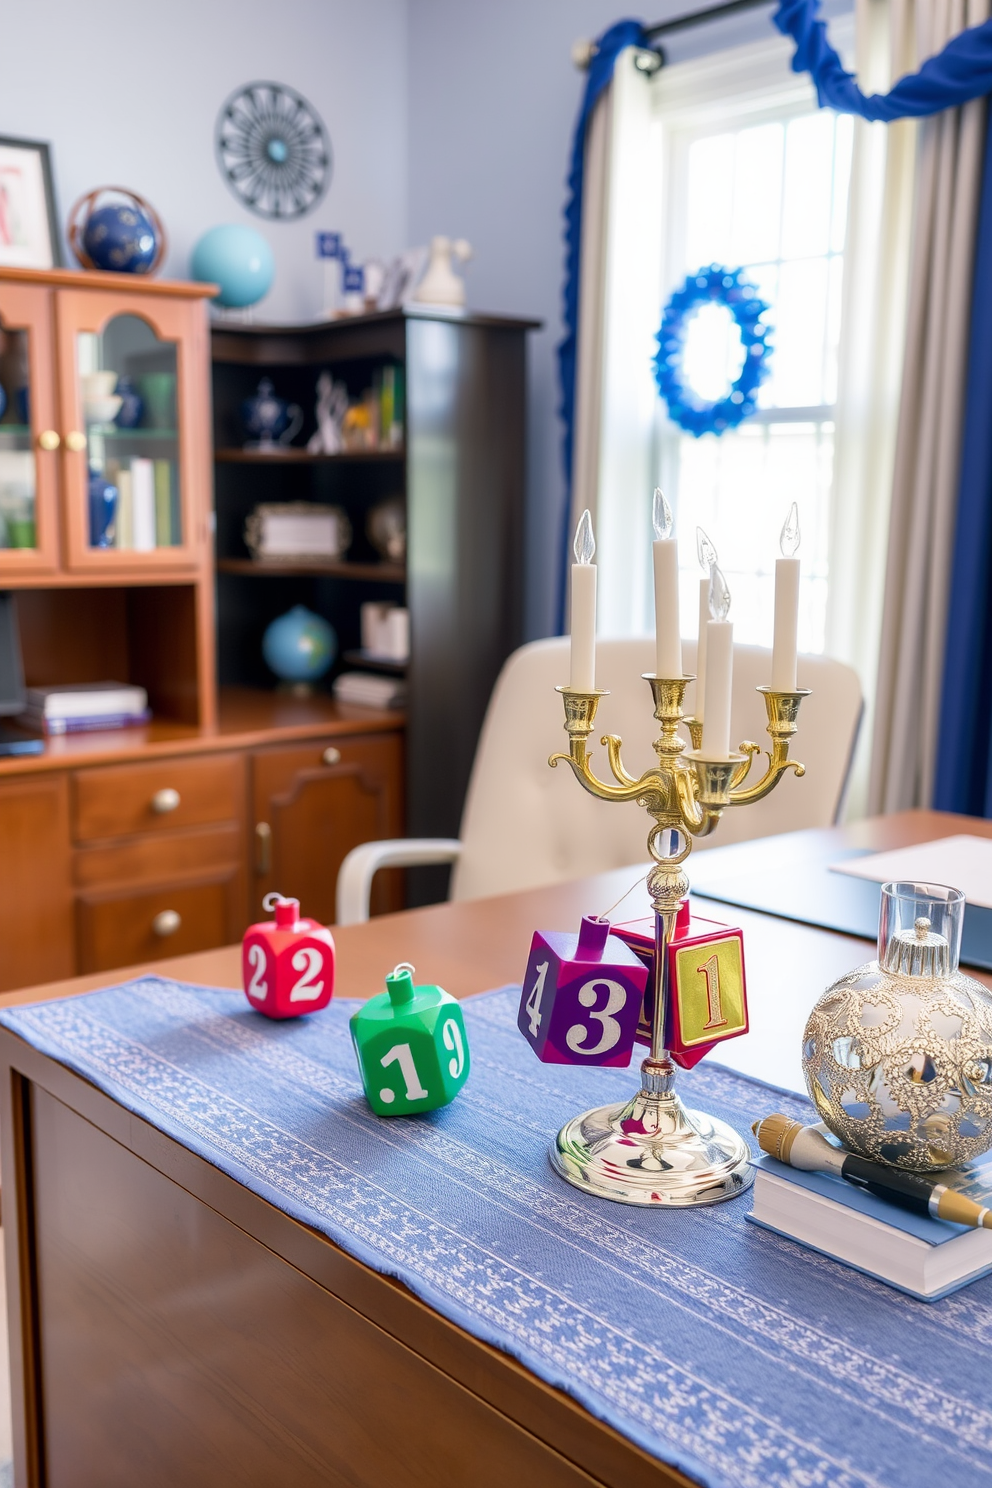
(48, 439)
(263, 845)
(167, 922)
(165, 800)
(75, 440)
(331, 756)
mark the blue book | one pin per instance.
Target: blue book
(928, 1258)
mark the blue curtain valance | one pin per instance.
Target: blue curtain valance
(962, 71)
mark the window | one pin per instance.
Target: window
(770, 196)
(750, 174)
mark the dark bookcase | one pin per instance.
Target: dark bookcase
(461, 473)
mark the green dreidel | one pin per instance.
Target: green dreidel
(411, 1046)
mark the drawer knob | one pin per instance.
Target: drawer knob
(75, 440)
(167, 922)
(165, 800)
(48, 439)
(331, 756)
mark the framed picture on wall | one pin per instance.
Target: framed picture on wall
(29, 236)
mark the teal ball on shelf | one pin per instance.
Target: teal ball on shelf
(239, 260)
(299, 646)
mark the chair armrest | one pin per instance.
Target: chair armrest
(363, 863)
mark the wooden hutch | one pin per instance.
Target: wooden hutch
(121, 846)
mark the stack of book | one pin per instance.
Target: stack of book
(370, 691)
(926, 1257)
(82, 706)
(147, 504)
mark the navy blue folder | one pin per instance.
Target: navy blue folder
(792, 881)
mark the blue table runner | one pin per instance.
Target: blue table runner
(727, 1351)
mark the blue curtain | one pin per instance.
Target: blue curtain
(608, 48)
(964, 762)
(962, 71)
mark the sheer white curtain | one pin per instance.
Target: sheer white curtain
(618, 298)
(924, 486)
(870, 366)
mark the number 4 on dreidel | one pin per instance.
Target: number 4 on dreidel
(411, 1046)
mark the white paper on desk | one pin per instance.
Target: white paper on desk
(963, 863)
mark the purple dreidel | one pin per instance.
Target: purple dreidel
(582, 995)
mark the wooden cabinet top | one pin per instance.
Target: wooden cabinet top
(246, 719)
(97, 279)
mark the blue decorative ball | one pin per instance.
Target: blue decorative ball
(299, 646)
(121, 238)
(239, 260)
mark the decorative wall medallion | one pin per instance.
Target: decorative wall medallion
(273, 150)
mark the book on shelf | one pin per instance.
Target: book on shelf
(369, 690)
(143, 504)
(82, 706)
(33, 718)
(162, 476)
(928, 1258)
(124, 527)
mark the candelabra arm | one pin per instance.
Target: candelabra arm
(580, 714)
(783, 710)
(741, 773)
(614, 744)
(697, 821)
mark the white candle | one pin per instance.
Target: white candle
(665, 550)
(785, 644)
(785, 647)
(719, 687)
(583, 611)
(704, 620)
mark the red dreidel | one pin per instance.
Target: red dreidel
(706, 977)
(287, 964)
(582, 996)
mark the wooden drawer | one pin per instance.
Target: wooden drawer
(173, 858)
(120, 930)
(121, 800)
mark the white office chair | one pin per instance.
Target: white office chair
(526, 825)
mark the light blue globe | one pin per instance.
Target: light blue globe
(300, 646)
(239, 260)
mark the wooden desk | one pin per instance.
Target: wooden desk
(167, 1326)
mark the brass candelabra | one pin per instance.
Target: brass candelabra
(651, 1149)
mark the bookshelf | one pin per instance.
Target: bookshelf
(460, 473)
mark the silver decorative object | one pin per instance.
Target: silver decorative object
(898, 1054)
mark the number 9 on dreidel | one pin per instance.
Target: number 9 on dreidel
(411, 1046)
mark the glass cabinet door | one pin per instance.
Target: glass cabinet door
(28, 441)
(126, 471)
(127, 383)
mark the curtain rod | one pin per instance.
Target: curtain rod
(651, 58)
(697, 17)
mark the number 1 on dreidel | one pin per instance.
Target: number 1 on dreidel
(411, 1045)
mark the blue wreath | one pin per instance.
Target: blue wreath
(720, 286)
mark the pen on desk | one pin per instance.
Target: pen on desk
(804, 1147)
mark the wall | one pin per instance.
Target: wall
(130, 96)
(493, 99)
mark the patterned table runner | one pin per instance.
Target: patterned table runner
(727, 1351)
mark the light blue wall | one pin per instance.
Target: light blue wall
(129, 94)
(493, 98)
